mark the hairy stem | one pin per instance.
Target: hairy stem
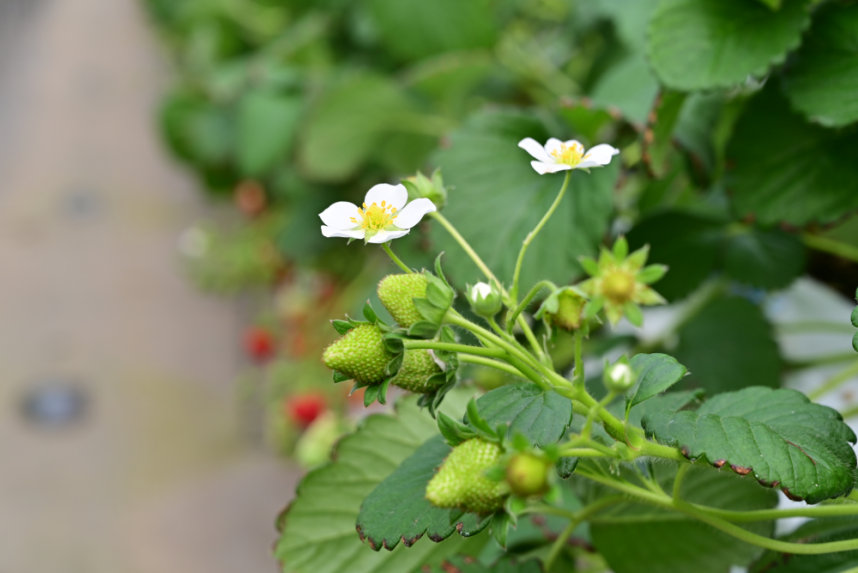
(677, 481)
(395, 259)
(576, 520)
(513, 292)
(453, 347)
(496, 364)
(578, 379)
(515, 312)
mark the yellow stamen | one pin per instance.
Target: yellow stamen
(571, 155)
(375, 218)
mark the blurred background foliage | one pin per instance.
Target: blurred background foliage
(736, 120)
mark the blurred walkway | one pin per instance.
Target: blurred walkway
(155, 480)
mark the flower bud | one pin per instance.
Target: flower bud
(564, 308)
(397, 294)
(359, 354)
(421, 186)
(417, 371)
(461, 481)
(527, 475)
(619, 377)
(485, 300)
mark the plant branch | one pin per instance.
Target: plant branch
(395, 259)
(677, 481)
(514, 313)
(496, 364)
(453, 347)
(513, 292)
(831, 246)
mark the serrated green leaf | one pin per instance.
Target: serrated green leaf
(491, 174)
(540, 416)
(628, 86)
(729, 345)
(704, 44)
(783, 169)
(777, 436)
(656, 373)
(666, 403)
(822, 77)
(684, 241)
(319, 526)
(266, 126)
(628, 535)
(397, 509)
(769, 259)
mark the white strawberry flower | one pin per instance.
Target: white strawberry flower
(383, 217)
(559, 155)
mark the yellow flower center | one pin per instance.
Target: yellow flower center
(375, 217)
(618, 286)
(571, 155)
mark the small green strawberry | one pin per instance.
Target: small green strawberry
(461, 481)
(527, 475)
(418, 366)
(397, 294)
(360, 354)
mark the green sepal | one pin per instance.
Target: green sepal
(394, 365)
(514, 506)
(439, 271)
(633, 313)
(496, 473)
(423, 329)
(566, 467)
(621, 248)
(454, 432)
(358, 386)
(382, 391)
(370, 395)
(340, 377)
(342, 326)
(476, 421)
(590, 266)
(369, 312)
(519, 442)
(439, 292)
(592, 308)
(500, 525)
(393, 341)
(429, 311)
(651, 274)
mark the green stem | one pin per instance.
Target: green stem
(489, 275)
(498, 330)
(452, 347)
(395, 259)
(513, 292)
(576, 520)
(496, 364)
(807, 326)
(530, 373)
(831, 246)
(850, 413)
(834, 382)
(677, 481)
(853, 495)
(585, 453)
(596, 411)
(464, 244)
(578, 379)
(838, 510)
(513, 313)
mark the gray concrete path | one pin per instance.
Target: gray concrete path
(156, 480)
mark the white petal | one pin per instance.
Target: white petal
(396, 195)
(553, 145)
(543, 168)
(339, 215)
(601, 154)
(535, 150)
(413, 212)
(329, 232)
(384, 236)
(574, 143)
(588, 163)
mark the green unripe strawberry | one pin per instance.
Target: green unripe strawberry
(461, 481)
(417, 367)
(527, 475)
(397, 294)
(359, 354)
(570, 307)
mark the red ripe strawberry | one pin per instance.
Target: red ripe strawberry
(259, 343)
(305, 408)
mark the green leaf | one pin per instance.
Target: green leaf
(826, 530)
(665, 403)
(492, 175)
(729, 345)
(265, 130)
(822, 77)
(342, 326)
(566, 467)
(782, 169)
(686, 242)
(628, 535)
(656, 373)
(658, 137)
(398, 510)
(319, 526)
(704, 44)
(777, 436)
(628, 86)
(773, 4)
(540, 416)
(414, 29)
(769, 259)
(347, 124)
